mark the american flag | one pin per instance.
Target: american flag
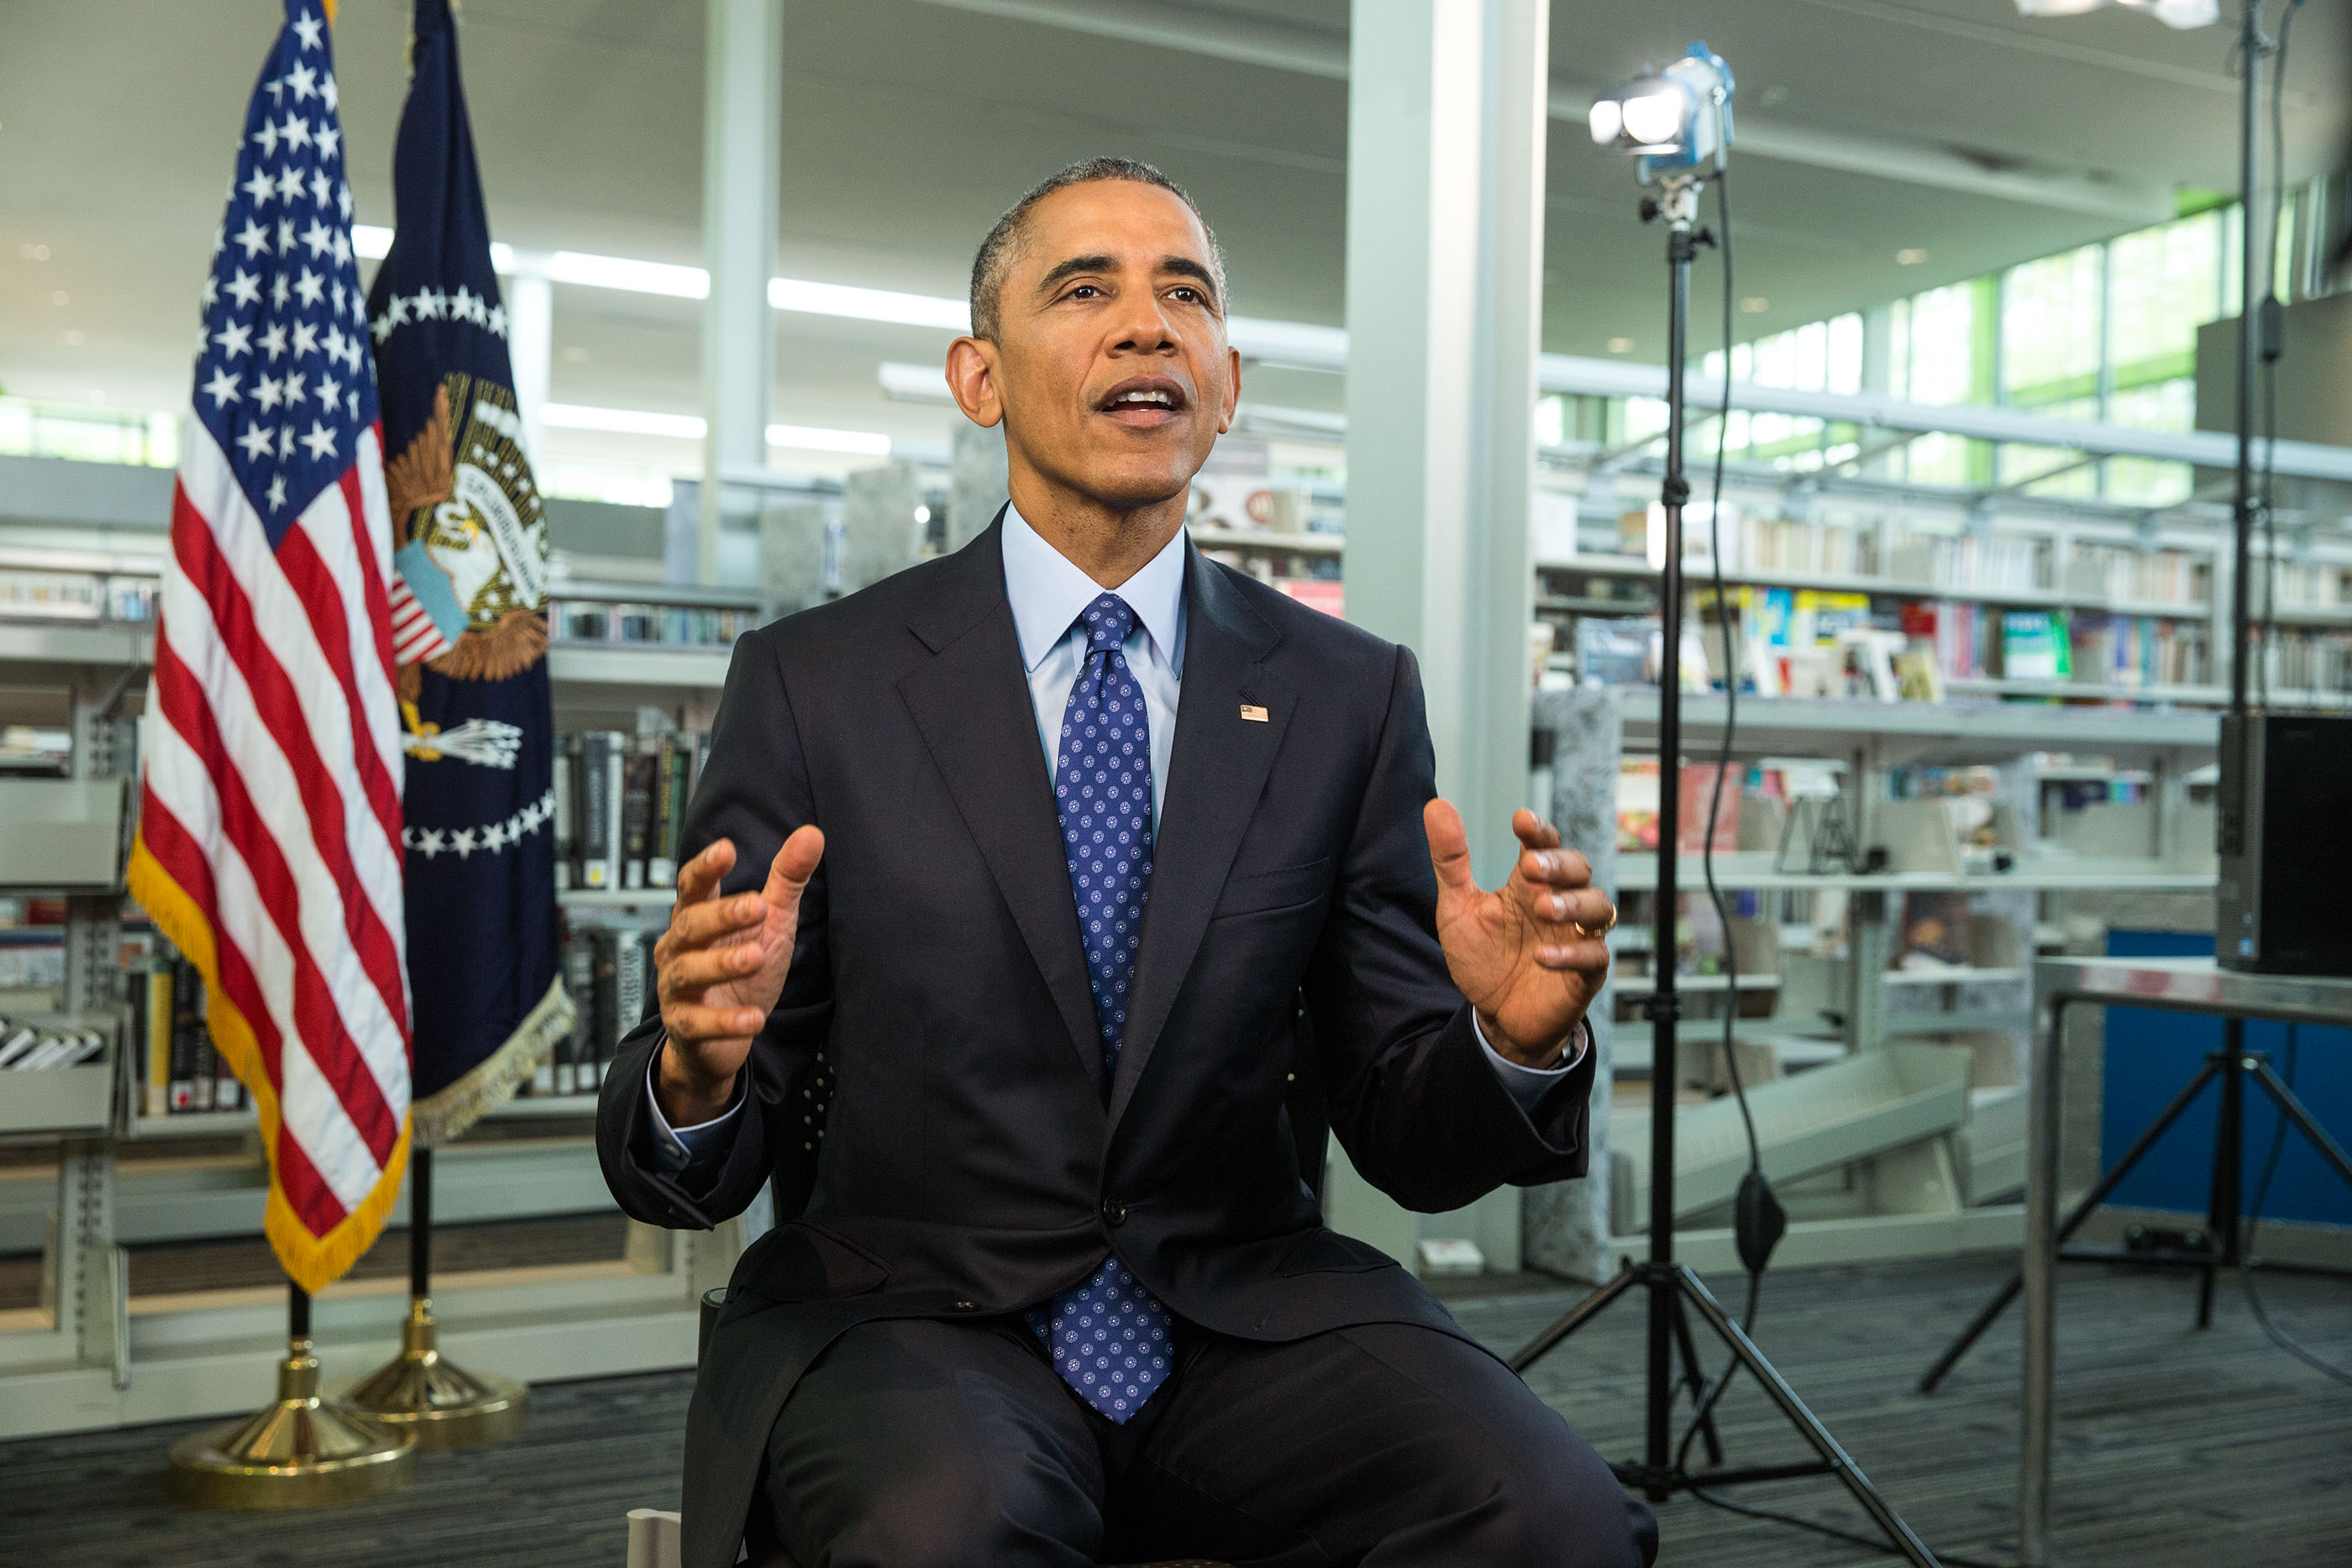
(269, 832)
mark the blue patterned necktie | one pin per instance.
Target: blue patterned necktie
(1107, 1337)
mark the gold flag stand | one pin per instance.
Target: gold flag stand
(299, 1451)
(419, 1391)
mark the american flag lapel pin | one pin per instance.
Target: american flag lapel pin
(1253, 713)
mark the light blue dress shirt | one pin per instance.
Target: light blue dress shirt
(1047, 592)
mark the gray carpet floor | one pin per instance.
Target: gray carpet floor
(2176, 1449)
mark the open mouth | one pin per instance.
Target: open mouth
(1144, 402)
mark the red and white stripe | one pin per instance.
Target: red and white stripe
(272, 799)
(415, 637)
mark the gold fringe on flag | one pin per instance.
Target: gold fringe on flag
(492, 1081)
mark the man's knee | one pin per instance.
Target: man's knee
(1569, 1517)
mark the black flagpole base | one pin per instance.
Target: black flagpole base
(1658, 1482)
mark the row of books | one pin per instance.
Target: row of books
(2140, 576)
(680, 625)
(1962, 563)
(620, 807)
(76, 596)
(609, 974)
(2130, 652)
(27, 1046)
(2306, 582)
(32, 957)
(180, 1073)
(2299, 660)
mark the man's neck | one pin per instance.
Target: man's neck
(1105, 543)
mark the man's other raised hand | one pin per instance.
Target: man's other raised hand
(719, 969)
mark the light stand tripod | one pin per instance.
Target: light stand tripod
(1673, 1289)
(2222, 1246)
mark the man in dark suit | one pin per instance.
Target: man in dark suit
(1033, 853)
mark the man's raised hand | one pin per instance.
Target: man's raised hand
(719, 969)
(1531, 957)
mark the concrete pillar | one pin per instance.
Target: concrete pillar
(1447, 116)
(1445, 166)
(742, 109)
(530, 344)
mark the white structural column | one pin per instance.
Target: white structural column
(1446, 117)
(530, 342)
(1445, 168)
(742, 110)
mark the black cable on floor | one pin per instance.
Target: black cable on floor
(1716, 1500)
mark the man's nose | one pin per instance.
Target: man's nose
(1147, 331)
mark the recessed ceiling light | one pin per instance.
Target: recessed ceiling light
(1621, 345)
(1774, 96)
(60, 297)
(1756, 305)
(1910, 257)
(71, 340)
(33, 252)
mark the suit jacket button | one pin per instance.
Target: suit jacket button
(966, 1306)
(1113, 1211)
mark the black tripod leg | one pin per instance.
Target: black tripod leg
(2292, 1107)
(1696, 1379)
(2221, 1214)
(1898, 1533)
(2074, 1221)
(1536, 1348)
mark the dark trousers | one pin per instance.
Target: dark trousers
(916, 1443)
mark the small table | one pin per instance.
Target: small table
(2177, 985)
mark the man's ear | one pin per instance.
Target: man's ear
(1232, 390)
(971, 380)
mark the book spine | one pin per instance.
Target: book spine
(155, 1076)
(628, 992)
(185, 984)
(661, 853)
(637, 815)
(607, 1010)
(204, 1073)
(598, 813)
(565, 746)
(580, 981)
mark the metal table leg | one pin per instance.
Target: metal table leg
(2044, 1116)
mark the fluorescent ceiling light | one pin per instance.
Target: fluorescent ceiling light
(869, 304)
(812, 438)
(632, 277)
(690, 427)
(621, 421)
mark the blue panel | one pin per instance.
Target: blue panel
(2150, 1055)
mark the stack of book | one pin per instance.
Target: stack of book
(620, 808)
(609, 974)
(180, 1073)
(26, 1045)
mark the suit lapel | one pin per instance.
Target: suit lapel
(973, 706)
(1214, 779)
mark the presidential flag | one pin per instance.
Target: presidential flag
(469, 624)
(268, 844)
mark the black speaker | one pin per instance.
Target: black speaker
(2283, 834)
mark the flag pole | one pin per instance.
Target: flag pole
(419, 1390)
(298, 1450)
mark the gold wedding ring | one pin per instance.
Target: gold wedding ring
(1586, 931)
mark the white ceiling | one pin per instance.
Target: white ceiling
(908, 124)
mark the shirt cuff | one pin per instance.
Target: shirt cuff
(675, 1149)
(1528, 1085)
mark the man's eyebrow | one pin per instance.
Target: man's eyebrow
(1185, 266)
(1074, 266)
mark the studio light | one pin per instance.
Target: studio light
(1677, 119)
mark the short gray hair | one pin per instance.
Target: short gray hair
(995, 257)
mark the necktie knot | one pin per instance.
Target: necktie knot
(1108, 621)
